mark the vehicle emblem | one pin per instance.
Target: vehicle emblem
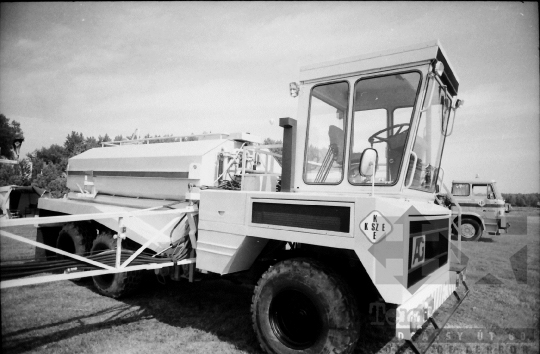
(375, 226)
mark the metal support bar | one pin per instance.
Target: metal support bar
(91, 273)
(458, 226)
(192, 230)
(147, 243)
(120, 268)
(289, 151)
(432, 320)
(95, 216)
(59, 251)
(191, 266)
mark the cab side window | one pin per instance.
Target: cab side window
(323, 162)
(461, 189)
(479, 190)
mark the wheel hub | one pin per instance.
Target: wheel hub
(294, 319)
(467, 230)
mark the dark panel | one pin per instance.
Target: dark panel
(436, 248)
(151, 174)
(80, 173)
(448, 77)
(426, 269)
(316, 217)
(289, 152)
(421, 227)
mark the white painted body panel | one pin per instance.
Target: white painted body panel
(225, 221)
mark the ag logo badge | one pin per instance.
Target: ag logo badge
(419, 250)
(375, 226)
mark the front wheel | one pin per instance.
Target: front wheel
(470, 230)
(301, 306)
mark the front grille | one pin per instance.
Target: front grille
(436, 233)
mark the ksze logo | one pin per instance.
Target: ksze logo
(375, 226)
(419, 250)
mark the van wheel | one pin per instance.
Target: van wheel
(470, 230)
(117, 284)
(301, 306)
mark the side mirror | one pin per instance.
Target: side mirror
(507, 207)
(368, 162)
(437, 189)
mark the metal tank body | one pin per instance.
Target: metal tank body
(156, 171)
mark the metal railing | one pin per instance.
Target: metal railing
(120, 267)
(172, 139)
(453, 201)
(268, 163)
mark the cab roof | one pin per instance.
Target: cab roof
(417, 53)
(474, 181)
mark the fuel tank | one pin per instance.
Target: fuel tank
(157, 171)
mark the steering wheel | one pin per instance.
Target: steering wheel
(377, 138)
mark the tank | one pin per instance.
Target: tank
(156, 171)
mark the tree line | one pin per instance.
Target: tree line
(522, 200)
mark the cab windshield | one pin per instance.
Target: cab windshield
(429, 139)
(383, 110)
(495, 191)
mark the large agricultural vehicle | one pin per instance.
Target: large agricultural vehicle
(353, 217)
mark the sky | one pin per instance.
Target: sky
(193, 67)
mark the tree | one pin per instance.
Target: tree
(520, 201)
(91, 143)
(8, 133)
(54, 155)
(103, 139)
(52, 178)
(278, 151)
(74, 144)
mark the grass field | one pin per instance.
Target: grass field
(213, 316)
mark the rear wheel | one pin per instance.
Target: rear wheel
(470, 230)
(117, 284)
(300, 306)
(72, 239)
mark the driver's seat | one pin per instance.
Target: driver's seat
(396, 144)
(334, 153)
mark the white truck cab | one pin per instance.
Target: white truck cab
(482, 207)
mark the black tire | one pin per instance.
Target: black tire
(470, 229)
(117, 284)
(300, 306)
(73, 239)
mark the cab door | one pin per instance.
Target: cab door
(484, 196)
(462, 194)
